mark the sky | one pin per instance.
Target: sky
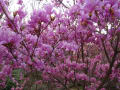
(30, 5)
(33, 4)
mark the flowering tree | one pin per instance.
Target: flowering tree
(78, 49)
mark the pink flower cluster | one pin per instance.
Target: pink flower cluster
(78, 48)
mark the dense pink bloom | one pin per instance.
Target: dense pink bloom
(20, 2)
(77, 47)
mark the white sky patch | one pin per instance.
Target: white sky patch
(30, 5)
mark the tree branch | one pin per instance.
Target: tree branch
(105, 79)
(106, 53)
